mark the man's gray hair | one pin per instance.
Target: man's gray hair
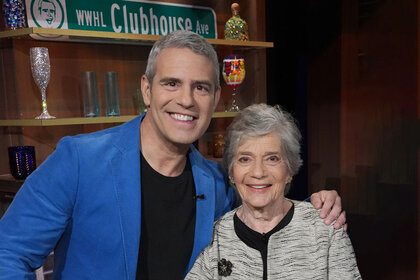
(183, 39)
(259, 120)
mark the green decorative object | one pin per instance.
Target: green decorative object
(236, 28)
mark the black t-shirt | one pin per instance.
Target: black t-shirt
(167, 223)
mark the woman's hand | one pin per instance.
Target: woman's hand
(331, 210)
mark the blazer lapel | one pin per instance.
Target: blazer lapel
(125, 167)
(204, 185)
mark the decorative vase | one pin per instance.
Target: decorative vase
(236, 28)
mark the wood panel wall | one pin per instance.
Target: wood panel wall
(363, 132)
(418, 146)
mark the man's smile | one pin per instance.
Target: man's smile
(182, 117)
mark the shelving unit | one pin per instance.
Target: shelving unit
(74, 51)
(9, 184)
(79, 121)
(117, 38)
(107, 38)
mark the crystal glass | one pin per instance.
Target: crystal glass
(234, 74)
(90, 94)
(40, 66)
(112, 102)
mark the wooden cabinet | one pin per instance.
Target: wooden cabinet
(101, 52)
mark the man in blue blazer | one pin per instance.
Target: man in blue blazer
(136, 201)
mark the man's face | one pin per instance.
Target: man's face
(47, 12)
(183, 97)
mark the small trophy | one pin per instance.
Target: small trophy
(236, 28)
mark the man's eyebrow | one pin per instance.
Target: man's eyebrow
(165, 80)
(203, 82)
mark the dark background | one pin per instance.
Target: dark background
(347, 71)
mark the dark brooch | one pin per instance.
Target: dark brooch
(224, 267)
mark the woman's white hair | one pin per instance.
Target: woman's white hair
(258, 120)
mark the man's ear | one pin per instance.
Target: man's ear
(146, 90)
(217, 98)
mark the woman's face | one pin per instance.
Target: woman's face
(259, 172)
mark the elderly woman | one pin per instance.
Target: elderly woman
(269, 236)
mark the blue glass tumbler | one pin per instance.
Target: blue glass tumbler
(22, 161)
(14, 13)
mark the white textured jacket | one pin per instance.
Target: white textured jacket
(305, 248)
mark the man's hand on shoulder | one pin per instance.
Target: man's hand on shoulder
(331, 210)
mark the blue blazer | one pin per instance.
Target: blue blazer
(83, 202)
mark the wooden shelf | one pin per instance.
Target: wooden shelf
(82, 121)
(66, 121)
(111, 37)
(9, 184)
(224, 115)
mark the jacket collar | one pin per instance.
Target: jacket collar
(125, 167)
(204, 187)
